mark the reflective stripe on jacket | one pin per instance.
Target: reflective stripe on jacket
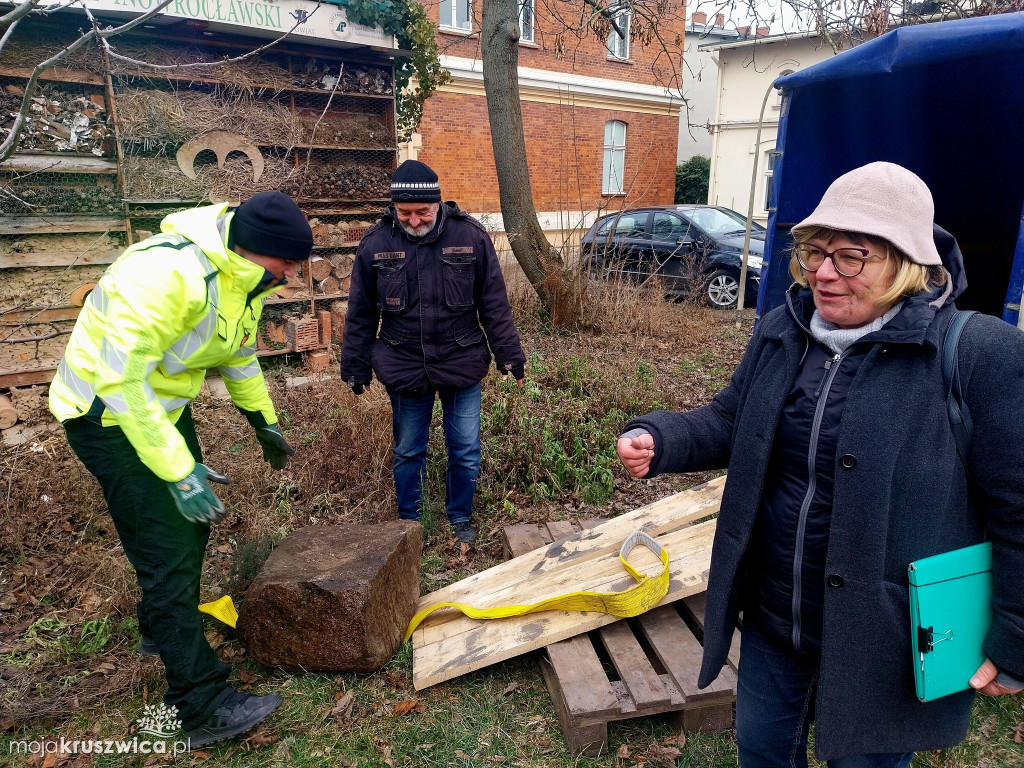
(170, 308)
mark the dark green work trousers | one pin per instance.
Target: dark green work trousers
(167, 552)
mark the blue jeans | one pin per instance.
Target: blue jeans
(775, 708)
(410, 418)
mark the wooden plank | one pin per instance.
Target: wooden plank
(711, 719)
(585, 687)
(590, 522)
(59, 163)
(669, 514)
(522, 538)
(26, 378)
(680, 653)
(696, 606)
(451, 644)
(59, 73)
(634, 668)
(629, 710)
(588, 740)
(44, 225)
(561, 529)
(48, 259)
(52, 314)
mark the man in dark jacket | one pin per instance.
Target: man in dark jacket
(427, 273)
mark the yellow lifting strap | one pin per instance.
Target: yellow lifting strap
(641, 597)
(222, 608)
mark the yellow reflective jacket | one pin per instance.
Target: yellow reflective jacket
(170, 307)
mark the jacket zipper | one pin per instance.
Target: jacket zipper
(831, 368)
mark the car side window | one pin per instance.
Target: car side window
(632, 225)
(669, 227)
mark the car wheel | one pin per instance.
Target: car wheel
(721, 289)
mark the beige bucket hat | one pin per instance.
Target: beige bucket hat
(882, 200)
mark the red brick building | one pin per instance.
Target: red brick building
(601, 127)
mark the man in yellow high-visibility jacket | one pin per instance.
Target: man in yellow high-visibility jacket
(170, 308)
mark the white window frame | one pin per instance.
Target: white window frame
(613, 151)
(769, 174)
(527, 36)
(618, 45)
(452, 21)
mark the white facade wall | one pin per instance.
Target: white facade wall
(700, 89)
(745, 71)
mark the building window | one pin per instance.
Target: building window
(455, 14)
(614, 157)
(618, 45)
(526, 21)
(769, 172)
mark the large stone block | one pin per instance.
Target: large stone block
(334, 599)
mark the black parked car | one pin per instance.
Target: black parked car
(696, 250)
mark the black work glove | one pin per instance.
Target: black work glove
(275, 448)
(194, 499)
(357, 389)
(518, 370)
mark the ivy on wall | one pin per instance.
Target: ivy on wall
(407, 21)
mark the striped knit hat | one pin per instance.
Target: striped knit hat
(415, 182)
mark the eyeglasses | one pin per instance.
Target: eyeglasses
(849, 262)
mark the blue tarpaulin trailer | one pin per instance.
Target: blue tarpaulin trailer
(945, 100)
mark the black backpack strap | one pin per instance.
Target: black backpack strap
(959, 414)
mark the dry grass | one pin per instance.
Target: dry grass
(160, 178)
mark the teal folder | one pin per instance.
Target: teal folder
(950, 615)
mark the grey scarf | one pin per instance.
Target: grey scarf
(837, 339)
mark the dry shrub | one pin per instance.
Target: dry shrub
(602, 306)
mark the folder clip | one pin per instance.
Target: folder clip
(926, 638)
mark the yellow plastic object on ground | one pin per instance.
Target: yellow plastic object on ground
(222, 609)
(640, 598)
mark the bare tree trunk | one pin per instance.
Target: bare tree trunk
(500, 47)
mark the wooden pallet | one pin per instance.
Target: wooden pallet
(631, 668)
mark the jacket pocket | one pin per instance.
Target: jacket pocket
(392, 288)
(470, 338)
(458, 281)
(391, 337)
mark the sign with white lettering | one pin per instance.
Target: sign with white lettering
(325, 22)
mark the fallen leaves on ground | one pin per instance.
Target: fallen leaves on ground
(512, 688)
(409, 705)
(622, 754)
(342, 709)
(1018, 733)
(261, 739)
(666, 756)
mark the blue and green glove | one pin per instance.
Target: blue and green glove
(275, 448)
(194, 499)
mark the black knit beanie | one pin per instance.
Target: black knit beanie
(415, 182)
(271, 224)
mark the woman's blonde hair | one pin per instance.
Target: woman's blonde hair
(908, 277)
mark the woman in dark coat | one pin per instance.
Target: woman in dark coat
(843, 469)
